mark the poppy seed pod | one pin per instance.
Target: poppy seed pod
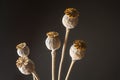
(25, 65)
(22, 49)
(52, 41)
(70, 19)
(77, 49)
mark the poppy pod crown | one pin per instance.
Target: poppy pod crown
(21, 45)
(80, 44)
(71, 12)
(52, 34)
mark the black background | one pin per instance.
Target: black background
(28, 21)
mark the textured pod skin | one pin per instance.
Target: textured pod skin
(69, 22)
(70, 19)
(76, 54)
(25, 65)
(77, 50)
(52, 43)
(22, 49)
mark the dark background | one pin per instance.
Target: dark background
(28, 21)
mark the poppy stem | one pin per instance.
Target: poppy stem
(53, 54)
(63, 52)
(70, 68)
(35, 76)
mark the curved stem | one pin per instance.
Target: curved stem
(53, 54)
(63, 52)
(35, 76)
(70, 68)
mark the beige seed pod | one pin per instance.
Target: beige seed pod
(52, 41)
(76, 53)
(70, 19)
(22, 49)
(77, 49)
(25, 65)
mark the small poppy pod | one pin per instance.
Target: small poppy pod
(25, 65)
(77, 50)
(70, 19)
(52, 41)
(23, 49)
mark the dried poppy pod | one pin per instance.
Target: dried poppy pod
(77, 49)
(76, 53)
(52, 41)
(70, 19)
(22, 49)
(25, 65)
